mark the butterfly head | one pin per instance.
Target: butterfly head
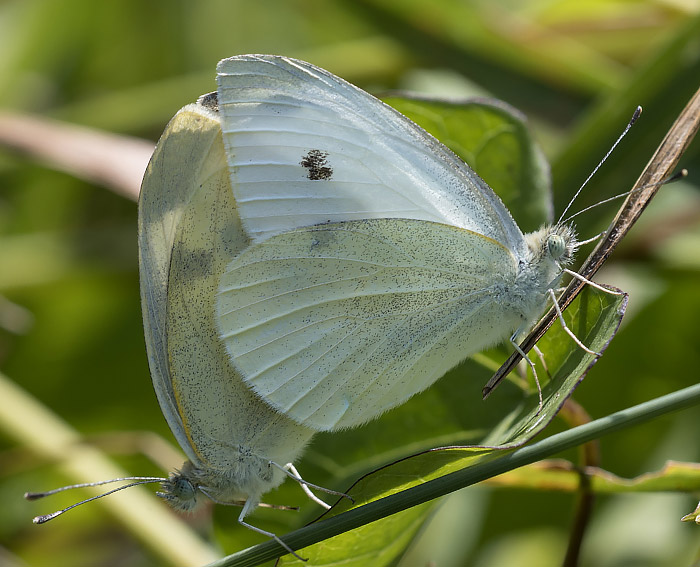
(185, 489)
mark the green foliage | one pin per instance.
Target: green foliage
(70, 322)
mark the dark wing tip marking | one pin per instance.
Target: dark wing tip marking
(316, 162)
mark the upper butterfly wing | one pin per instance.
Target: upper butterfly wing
(335, 324)
(306, 147)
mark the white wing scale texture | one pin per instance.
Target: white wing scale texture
(335, 324)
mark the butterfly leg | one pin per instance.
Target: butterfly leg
(590, 283)
(526, 358)
(290, 470)
(592, 239)
(569, 331)
(248, 507)
(540, 355)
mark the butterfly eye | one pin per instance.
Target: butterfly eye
(180, 490)
(556, 246)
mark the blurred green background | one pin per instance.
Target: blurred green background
(70, 322)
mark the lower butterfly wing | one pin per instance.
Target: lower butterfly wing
(189, 154)
(306, 147)
(333, 325)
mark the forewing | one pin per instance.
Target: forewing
(306, 147)
(334, 324)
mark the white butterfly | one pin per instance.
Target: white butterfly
(238, 448)
(379, 260)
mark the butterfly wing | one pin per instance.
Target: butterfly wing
(334, 324)
(170, 180)
(306, 147)
(188, 232)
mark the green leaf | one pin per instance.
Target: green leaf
(693, 516)
(562, 475)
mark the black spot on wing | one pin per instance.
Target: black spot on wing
(210, 101)
(316, 162)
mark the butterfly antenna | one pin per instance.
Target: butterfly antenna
(46, 517)
(683, 173)
(635, 116)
